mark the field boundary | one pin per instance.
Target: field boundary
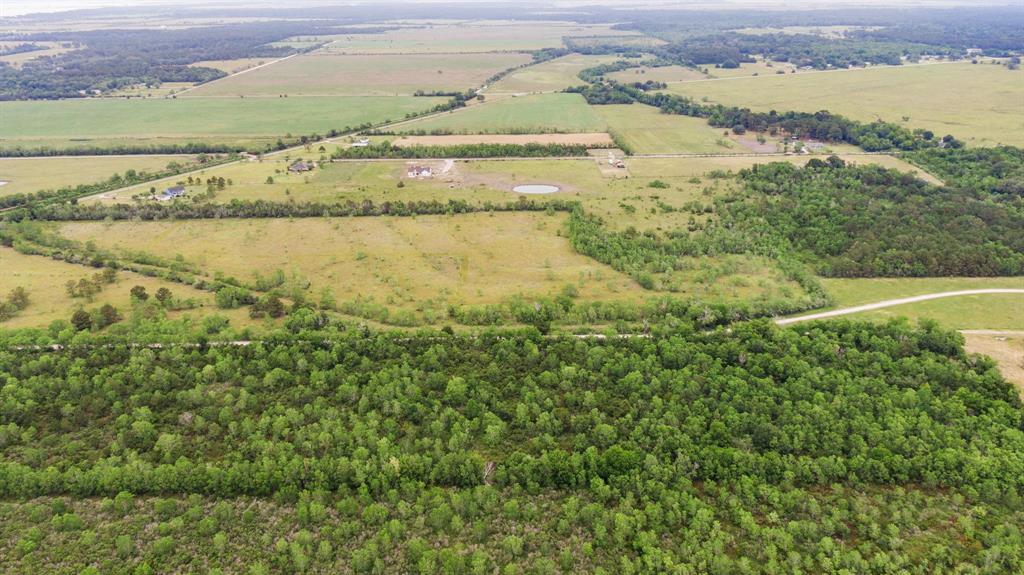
(239, 73)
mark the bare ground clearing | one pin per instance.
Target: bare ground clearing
(1007, 348)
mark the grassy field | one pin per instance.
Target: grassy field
(49, 49)
(758, 68)
(44, 280)
(408, 263)
(989, 311)
(323, 74)
(535, 113)
(155, 121)
(468, 37)
(24, 175)
(645, 130)
(553, 75)
(1006, 348)
(980, 104)
(232, 66)
(657, 74)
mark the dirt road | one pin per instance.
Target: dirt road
(894, 302)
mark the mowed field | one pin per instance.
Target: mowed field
(44, 280)
(657, 74)
(325, 74)
(154, 121)
(986, 311)
(978, 103)
(553, 75)
(399, 262)
(645, 130)
(468, 37)
(25, 175)
(537, 113)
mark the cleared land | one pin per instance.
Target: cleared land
(645, 130)
(658, 74)
(44, 280)
(468, 37)
(1006, 348)
(589, 138)
(758, 68)
(49, 49)
(977, 103)
(323, 74)
(24, 175)
(233, 66)
(155, 121)
(536, 113)
(553, 75)
(409, 263)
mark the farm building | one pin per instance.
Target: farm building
(420, 172)
(364, 142)
(300, 166)
(170, 193)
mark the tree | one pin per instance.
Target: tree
(139, 293)
(81, 320)
(163, 295)
(18, 298)
(108, 316)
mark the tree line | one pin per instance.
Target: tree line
(530, 150)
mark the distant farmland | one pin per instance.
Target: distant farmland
(98, 122)
(537, 113)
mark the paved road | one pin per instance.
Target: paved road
(893, 302)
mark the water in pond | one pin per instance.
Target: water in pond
(535, 189)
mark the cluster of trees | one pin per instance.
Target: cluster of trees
(789, 447)
(531, 150)
(18, 151)
(116, 181)
(88, 287)
(998, 170)
(865, 221)
(97, 319)
(22, 48)
(16, 301)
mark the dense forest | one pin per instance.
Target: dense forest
(866, 221)
(839, 447)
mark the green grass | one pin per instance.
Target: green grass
(535, 113)
(645, 130)
(323, 74)
(156, 121)
(24, 175)
(977, 103)
(556, 74)
(657, 74)
(989, 311)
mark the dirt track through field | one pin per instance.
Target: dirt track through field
(895, 302)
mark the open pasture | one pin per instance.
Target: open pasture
(549, 76)
(48, 49)
(468, 37)
(325, 74)
(406, 263)
(91, 122)
(537, 113)
(645, 130)
(25, 175)
(665, 74)
(759, 68)
(232, 66)
(978, 103)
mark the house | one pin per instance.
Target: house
(420, 172)
(170, 193)
(361, 143)
(300, 166)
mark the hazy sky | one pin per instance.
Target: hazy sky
(19, 7)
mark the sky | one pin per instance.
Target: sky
(19, 7)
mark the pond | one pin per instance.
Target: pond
(535, 189)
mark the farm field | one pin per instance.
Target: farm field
(25, 175)
(645, 130)
(468, 37)
(44, 280)
(979, 104)
(537, 113)
(155, 121)
(17, 60)
(657, 74)
(324, 74)
(553, 75)
(759, 68)
(986, 311)
(406, 263)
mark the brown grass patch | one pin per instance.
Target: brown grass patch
(1006, 348)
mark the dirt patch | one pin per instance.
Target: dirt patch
(750, 143)
(1006, 348)
(588, 139)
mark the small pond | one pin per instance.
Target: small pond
(535, 189)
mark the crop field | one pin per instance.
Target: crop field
(537, 113)
(468, 37)
(44, 279)
(986, 311)
(665, 74)
(154, 121)
(979, 104)
(324, 74)
(24, 175)
(645, 130)
(553, 75)
(398, 262)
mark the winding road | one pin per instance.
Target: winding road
(893, 302)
